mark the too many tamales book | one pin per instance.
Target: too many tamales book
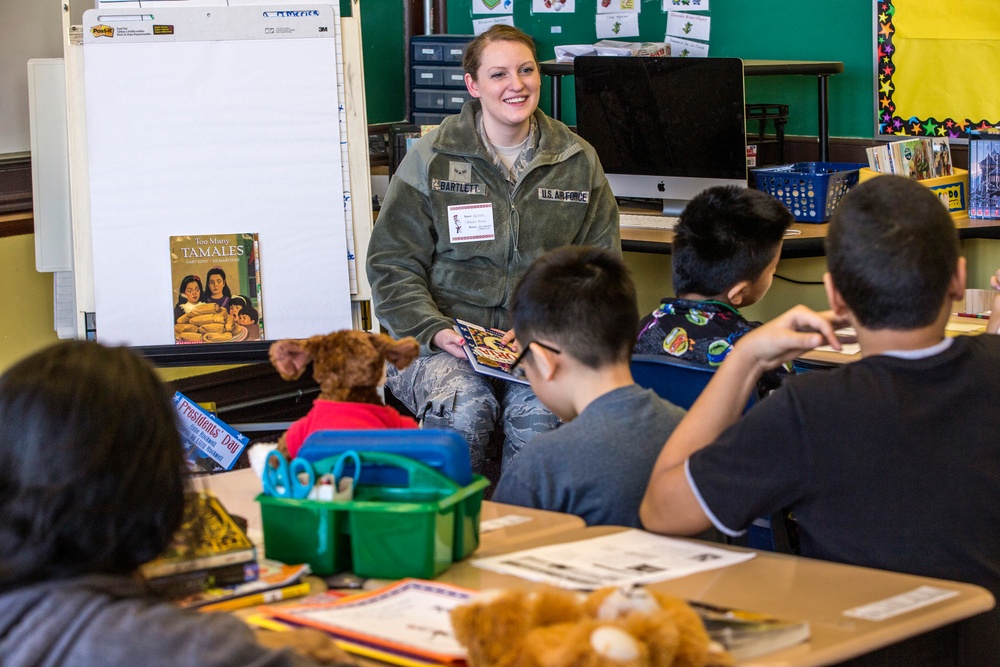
(216, 288)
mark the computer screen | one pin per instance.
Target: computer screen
(664, 128)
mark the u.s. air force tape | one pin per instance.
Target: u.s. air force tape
(578, 196)
(439, 185)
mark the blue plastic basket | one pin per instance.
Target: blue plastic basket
(810, 190)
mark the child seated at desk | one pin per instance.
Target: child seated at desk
(91, 486)
(726, 246)
(891, 462)
(575, 316)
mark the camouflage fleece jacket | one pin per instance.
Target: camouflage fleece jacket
(453, 237)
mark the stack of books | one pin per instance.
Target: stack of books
(210, 550)
(919, 158)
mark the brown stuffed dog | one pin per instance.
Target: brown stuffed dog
(348, 366)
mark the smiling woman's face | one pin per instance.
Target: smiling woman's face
(508, 84)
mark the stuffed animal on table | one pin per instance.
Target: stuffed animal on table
(550, 627)
(349, 367)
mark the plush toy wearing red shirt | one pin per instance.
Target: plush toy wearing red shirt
(349, 366)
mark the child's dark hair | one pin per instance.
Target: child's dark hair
(217, 271)
(725, 235)
(91, 466)
(251, 312)
(583, 300)
(892, 250)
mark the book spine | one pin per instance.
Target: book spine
(186, 583)
(264, 597)
(166, 568)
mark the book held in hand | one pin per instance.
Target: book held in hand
(487, 352)
(210, 444)
(216, 285)
(748, 634)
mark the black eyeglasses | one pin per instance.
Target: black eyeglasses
(515, 368)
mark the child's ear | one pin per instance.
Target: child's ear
(737, 293)
(545, 362)
(837, 303)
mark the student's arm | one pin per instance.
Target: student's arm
(670, 505)
(993, 325)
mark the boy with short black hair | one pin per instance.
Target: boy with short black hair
(892, 461)
(726, 247)
(575, 317)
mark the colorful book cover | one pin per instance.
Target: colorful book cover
(748, 634)
(914, 160)
(487, 352)
(216, 288)
(410, 617)
(271, 574)
(208, 537)
(210, 444)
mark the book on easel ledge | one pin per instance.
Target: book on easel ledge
(217, 288)
(487, 352)
(748, 634)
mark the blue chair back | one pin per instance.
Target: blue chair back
(680, 382)
(675, 380)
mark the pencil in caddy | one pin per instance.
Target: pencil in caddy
(414, 524)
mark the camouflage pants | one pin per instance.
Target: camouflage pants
(444, 392)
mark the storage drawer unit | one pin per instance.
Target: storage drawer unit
(438, 80)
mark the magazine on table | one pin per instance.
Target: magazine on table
(748, 634)
(487, 352)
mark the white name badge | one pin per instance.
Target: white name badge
(470, 222)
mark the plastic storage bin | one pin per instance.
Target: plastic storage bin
(951, 190)
(414, 530)
(811, 190)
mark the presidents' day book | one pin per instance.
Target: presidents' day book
(487, 352)
(210, 444)
(216, 285)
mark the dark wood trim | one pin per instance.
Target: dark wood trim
(15, 185)
(16, 224)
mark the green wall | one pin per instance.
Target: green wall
(766, 29)
(383, 45)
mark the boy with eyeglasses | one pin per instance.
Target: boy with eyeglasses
(576, 319)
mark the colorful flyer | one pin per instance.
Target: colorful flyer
(618, 6)
(492, 7)
(688, 26)
(611, 26)
(549, 6)
(685, 5)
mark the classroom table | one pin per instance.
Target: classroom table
(822, 70)
(785, 586)
(809, 242)
(827, 359)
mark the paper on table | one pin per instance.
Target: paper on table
(961, 327)
(621, 559)
(505, 521)
(845, 348)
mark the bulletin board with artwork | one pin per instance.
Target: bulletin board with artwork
(936, 67)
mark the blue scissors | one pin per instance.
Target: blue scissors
(282, 480)
(338, 469)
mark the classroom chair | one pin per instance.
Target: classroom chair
(680, 382)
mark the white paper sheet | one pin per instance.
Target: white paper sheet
(492, 7)
(685, 48)
(613, 26)
(686, 5)
(688, 26)
(621, 559)
(618, 6)
(192, 134)
(479, 26)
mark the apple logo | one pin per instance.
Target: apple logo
(661, 187)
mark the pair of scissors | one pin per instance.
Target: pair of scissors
(281, 479)
(338, 470)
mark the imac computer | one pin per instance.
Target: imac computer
(664, 128)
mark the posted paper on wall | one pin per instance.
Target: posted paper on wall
(618, 6)
(479, 26)
(492, 7)
(685, 5)
(611, 26)
(547, 6)
(685, 48)
(688, 26)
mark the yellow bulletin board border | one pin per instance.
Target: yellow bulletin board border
(888, 120)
